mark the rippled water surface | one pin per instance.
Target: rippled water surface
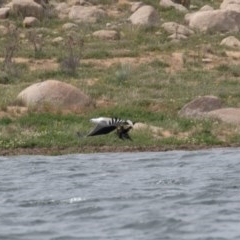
(174, 195)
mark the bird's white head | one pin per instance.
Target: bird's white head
(130, 123)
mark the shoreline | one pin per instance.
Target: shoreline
(55, 151)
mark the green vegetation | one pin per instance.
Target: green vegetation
(136, 76)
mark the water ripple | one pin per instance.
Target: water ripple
(167, 196)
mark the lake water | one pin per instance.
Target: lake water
(176, 195)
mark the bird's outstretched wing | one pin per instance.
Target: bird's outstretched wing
(99, 130)
(105, 125)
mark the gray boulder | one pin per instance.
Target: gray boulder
(214, 21)
(231, 41)
(145, 16)
(233, 5)
(169, 3)
(228, 115)
(62, 10)
(107, 34)
(69, 26)
(57, 40)
(206, 8)
(89, 14)
(176, 28)
(4, 12)
(54, 94)
(200, 106)
(188, 16)
(27, 8)
(175, 37)
(30, 22)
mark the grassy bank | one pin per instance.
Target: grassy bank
(143, 77)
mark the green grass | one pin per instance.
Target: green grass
(5, 121)
(49, 130)
(138, 85)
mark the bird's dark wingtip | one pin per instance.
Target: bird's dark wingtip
(126, 137)
(123, 135)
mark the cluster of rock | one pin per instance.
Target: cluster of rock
(31, 11)
(210, 107)
(206, 19)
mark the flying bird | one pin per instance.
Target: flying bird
(105, 125)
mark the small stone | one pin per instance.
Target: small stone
(30, 22)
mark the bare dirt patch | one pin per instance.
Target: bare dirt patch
(13, 111)
(99, 149)
(176, 60)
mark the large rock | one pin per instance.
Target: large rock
(231, 41)
(145, 16)
(233, 5)
(176, 37)
(206, 8)
(169, 3)
(30, 22)
(57, 40)
(89, 14)
(4, 12)
(107, 34)
(173, 27)
(54, 94)
(27, 8)
(200, 106)
(62, 10)
(228, 115)
(69, 26)
(214, 21)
